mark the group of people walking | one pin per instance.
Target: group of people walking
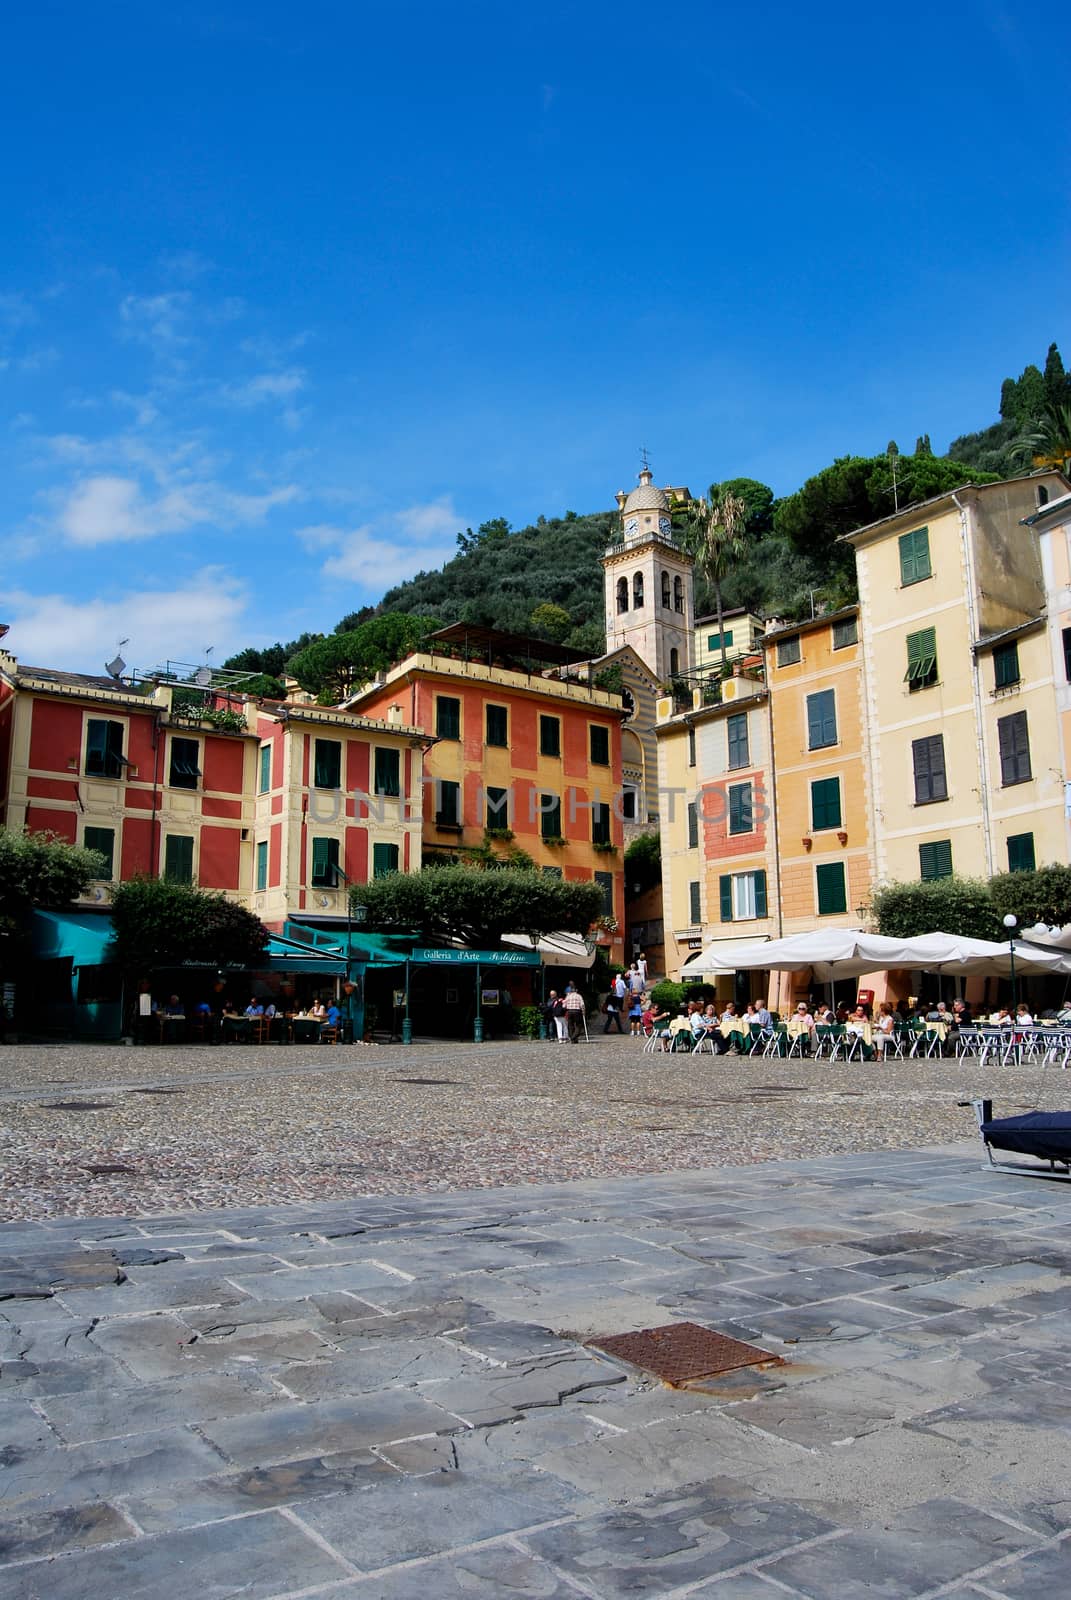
(566, 1013)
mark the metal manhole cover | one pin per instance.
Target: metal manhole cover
(680, 1352)
(80, 1105)
(423, 1080)
(158, 1091)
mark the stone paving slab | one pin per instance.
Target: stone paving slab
(389, 1398)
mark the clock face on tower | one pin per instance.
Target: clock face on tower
(664, 525)
(632, 525)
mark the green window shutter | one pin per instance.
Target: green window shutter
(693, 826)
(600, 746)
(694, 908)
(102, 840)
(324, 862)
(600, 823)
(497, 725)
(184, 772)
(262, 864)
(1006, 665)
(496, 808)
(789, 651)
(740, 808)
(1014, 740)
(605, 881)
(935, 860)
(265, 768)
(691, 747)
(550, 736)
(448, 810)
(447, 717)
(384, 859)
(845, 632)
(821, 720)
(928, 763)
(737, 740)
(915, 556)
(1021, 856)
(760, 894)
(825, 804)
(921, 659)
(550, 817)
(725, 896)
(388, 767)
(178, 858)
(327, 764)
(104, 749)
(832, 896)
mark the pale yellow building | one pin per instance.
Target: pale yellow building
(962, 770)
(1051, 524)
(741, 632)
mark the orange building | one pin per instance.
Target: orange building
(519, 756)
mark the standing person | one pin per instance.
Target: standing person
(561, 1020)
(575, 1009)
(641, 966)
(612, 1010)
(635, 1016)
(635, 980)
(548, 1014)
(620, 988)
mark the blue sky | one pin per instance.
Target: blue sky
(290, 294)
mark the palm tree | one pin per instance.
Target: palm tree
(715, 533)
(1052, 441)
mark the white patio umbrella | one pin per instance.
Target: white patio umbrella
(948, 952)
(830, 952)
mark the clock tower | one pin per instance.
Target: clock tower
(648, 582)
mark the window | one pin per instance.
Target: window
(718, 641)
(102, 840)
(550, 816)
(935, 860)
(1014, 749)
(695, 915)
(384, 859)
(665, 590)
(265, 768)
(599, 745)
(821, 720)
(691, 747)
(496, 808)
(1020, 852)
(739, 754)
(915, 556)
(497, 726)
(825, 804)
(104, 749)
(674, 662)
(693, 826)
(448, 804)
(622, 594)
(184, 769)
(605, 881)
(921, 659)
(327, 764)
(447, 717)
(928, 766)
(550, 736)
(556, 872)
(637, 591)
(387, 772)
(845, 632)
(1067, 654)
(832, 896)
(262, 864)
(740, 808)
(178, 858)
(1006, 665)
(742, 896)
(325, 863)
(600, 823)
(788, 651)
(630, 805)
(678, 595)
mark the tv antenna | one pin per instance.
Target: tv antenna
(645, 459)
(116, 666)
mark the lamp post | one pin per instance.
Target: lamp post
(352, 912)
(1011, 922)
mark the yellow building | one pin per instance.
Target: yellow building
(718, 859)
(741, 631)
(1051, 524)
(960, 707)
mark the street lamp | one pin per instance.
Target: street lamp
(352, 912)
(1011, 922)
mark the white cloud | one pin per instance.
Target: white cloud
(378, 554)
(80, 634)
(264, 387)
(108, 509)
(157, 319)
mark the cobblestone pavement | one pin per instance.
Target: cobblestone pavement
(98, 1130)
(392, 1399)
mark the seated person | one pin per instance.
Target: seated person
(254, 1008)
(318, 1010)
(334, 1015)
(269, 1010)
(202, 1010)
(761, 1014)
(1064, 1014)
(884, 1029)
(1023, 1016)
(174, 1007)
(857, 1024)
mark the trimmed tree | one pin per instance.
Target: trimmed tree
(476, 906)
(159, 924)
(962, 906)
(1041, 896)
(40, 870)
